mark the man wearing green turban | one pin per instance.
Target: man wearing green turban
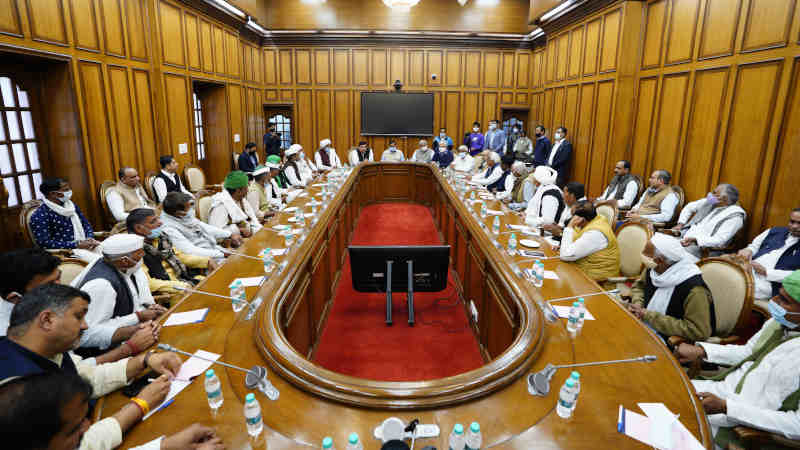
(280, 184)
(761, 389)
(229, 209)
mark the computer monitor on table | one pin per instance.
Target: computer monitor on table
(422, 268)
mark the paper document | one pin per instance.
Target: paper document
(308, 214)
(182, 318)
(660, 428)
(251, 281)
(550, 275)
(519, 227)
(190, 368)
(494, 212)
(563, 312)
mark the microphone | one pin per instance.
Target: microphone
(230, 252)
(195, 291)
(612, 291)
(256, 377)
(539, 382)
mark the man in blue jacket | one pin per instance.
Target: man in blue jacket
(541, 149)
(495, 139)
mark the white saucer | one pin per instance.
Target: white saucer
(530, 243)
(290, 209)
(292, 219)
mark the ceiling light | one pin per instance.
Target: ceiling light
(227, 7)
(462, 2)
(502, 35)
(396, 32)
(557, 11)
(256, 27)
(400, 5)
(534, 34)
(345, 31)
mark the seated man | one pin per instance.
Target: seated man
(326, 157)
(166, 267)
(671, 296)
(493, 170)
(573, 193)
(260, 194)
(523, 147)
(522, 190)
(168, 179)
(291, 169)
(248, 160)
(230, 211)
(712, 221)
(59, 223)
(50, 411)
(658, 202)
(547, 204)
(189, 234)
(46, 325)
(307, 169)
(443, 157)
(505, 183)
(463, 161)
(442, 138)
(774, 255)
(278, 180)
(623, 186)
(120, 295)
(127, 195)
(21, 271)
(481, 162)
(423, 154)
(589, 242)
(361, 153)
(760, 388)
(392, 154)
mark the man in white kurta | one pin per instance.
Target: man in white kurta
(760, 389)
(493, 170)
(712, 221)
(392, 154)
(518, 174)
(292, 169)
(126, 195)
(423, 154)
(623, 187)
(361, 154)
(229, 209)
(547, 204)
(463, 161)
(326, 158)
(658, 181)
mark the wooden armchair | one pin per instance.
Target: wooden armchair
(195, 180)
(29, 240)
(109, 219)
(147, 183)
(203, 205)
(609, 210)
(757, 439)
(631, 238)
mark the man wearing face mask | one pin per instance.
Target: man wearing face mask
(261, 195)
(542, 148)
(560, 155)
(761, 388)
(392, 154)
(189, 234)
(511, 140)
(475, 140)
(671, 296)
(589, 243)
(712, 221)
(463, 161)
(423, 154)
(495, 138)
(523, 147)
(442, 138)
(443, 157)
(59, 223)
(120, 294)
(547, 204)
(326, 157)
(248, 160)
(229, 209)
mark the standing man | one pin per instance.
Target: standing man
(511, 139)
(475, 140)
(542, 148)
(442, 137)
(168, 179)
(560, 155)
(248, 160)
(523, 147)
(272, 142)
(126, 195)
(495, 139)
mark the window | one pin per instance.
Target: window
(19, 147)
(283, 127)
(198, 128)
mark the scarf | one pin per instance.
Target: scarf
(190, 227)
(717, 216)
(326, 160)
(165, 252)
(666, 282)
(618, 184)
(236, 213)
(69, 211)
(517, 191)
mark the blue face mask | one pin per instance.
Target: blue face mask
(155, 233)
(779, 313)
(712, 199)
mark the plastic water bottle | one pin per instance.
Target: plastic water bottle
(496, 225)
(269, 261)
(299, 218)
(512, 244)
(314, 206)
(474, 439)
(582, 314)
(213, 390)
(353, 443)
(576, 377)
(252, 415)
(327, 443)
(456, 441)
(238, 296)
(472, 195)
(289, 240)
(538, 275)
(572, 320)
(484, 211)
(566, 399)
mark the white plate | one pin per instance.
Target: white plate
(290, 209)
(292, 219)
(530, 243)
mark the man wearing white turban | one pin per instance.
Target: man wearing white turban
(326, 157)
(671, 296)
(120, 294)
(547, 204)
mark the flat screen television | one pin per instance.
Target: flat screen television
(430, 267)
(396, 114)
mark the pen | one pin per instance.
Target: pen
(621, 420)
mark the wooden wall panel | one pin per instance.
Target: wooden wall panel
(111, 14)
(559, 94)
(397, 66)
(207, 46)
(576, 45)
(218, 39)
(10, 22)
(523, 70)
(571, 108)
(453, 68)
(609, 44)
(749, 127)
(378, 67)
(123, 118)
(472, 69)
(490, 109)
(285, 64)
(145, 119)
(720, 22)
(592, 46)
(171, 26)
(236, 115)
(598, 175)
(342, 137)
(136, 25)
(435, 66)
(361, 67)
(233, 55)
(471, 110)
(562, 56)
(655, 25)
(787, 161)
(192, 41)
(83, 18)
(681, 33)
(583, 138)
(98, 146)
(767, 24)
(491, 69)
(452, 105)
(643, 124)
(668, 130)
(178, 100)
(322, 66)
(508, 70)
(270, 67)
(538, 68)
(304, 131)
(47, 22)
(323, 125)
(341, 67)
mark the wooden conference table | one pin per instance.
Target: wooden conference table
(512, 333)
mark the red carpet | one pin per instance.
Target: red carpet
(357, 342)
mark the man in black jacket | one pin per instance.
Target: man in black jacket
(560, 155)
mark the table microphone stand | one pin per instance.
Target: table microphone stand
(539, 382)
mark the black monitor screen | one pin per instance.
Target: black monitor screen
(396, 114)
(430, 267)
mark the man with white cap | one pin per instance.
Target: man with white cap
(291, 169)
(230, 211)
(547, 204)
(326, 157)
(671, 296)
(493, 170)
(260, 195)
(307, 168)
(120, 294)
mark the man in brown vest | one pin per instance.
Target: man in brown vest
(658, 202)
(127, 195)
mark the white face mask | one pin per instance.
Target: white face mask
(442, 149)
(66, 195)
(441, 135)
(492, 126)
(476, 129)
(515, 130)
(424, 147)
(131, 270)
(558, 136)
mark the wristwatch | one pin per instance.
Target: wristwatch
(147, 357)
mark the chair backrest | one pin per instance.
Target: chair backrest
(631, 239)
(203, 205)
(640, 182)
(195, 178)
(732, 289)
(681, 201)
(609, 211)
(71, 268)
(235, 161)
(148, 185)
(25, 213)
(109, 218)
